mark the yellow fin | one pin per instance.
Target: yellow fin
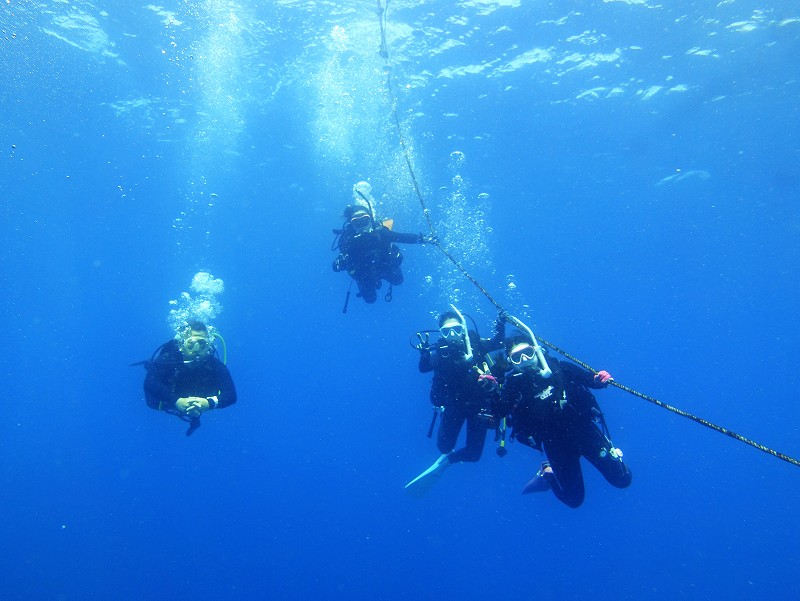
(388, 223)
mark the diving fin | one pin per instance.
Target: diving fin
(541, 481)
(194, 423)
(420, 485)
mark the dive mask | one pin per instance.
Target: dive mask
(521, 354)
(361, 222)
(196, 345)
(452, 332)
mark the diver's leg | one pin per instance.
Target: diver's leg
(393, 275)
(476, 438)
(366, 288)
(566, 480)
(391, 271)
(598, 451)
(449, 429)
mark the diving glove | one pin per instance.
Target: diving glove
(603, 377)
(487, 381)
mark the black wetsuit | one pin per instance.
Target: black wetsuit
(455, 387)
(560, 415)
(371, 256)
(169, 379)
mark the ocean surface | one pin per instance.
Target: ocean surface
(623, 175)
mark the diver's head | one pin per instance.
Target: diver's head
(451, 328)
(195, 341)
(360, 220)
(359, 206)
(521, 355)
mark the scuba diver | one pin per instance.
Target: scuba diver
(464, 389)
(186, 378)
(367, 250)
(553, 410)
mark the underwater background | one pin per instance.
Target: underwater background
(624, 175)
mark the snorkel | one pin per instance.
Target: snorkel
(468, 355)
(361, 210)
(544, 370)
(368, 203)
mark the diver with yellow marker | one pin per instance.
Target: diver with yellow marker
(367, 250)
(464, 389)
(186, 378)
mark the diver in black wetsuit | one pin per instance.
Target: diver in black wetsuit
(559, 415)
(368, 253)
(463, 388)
(186, 378)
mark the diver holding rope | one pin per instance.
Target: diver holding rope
(367, 248)
(554, 411)
(404, 146)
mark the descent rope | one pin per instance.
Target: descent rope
(384, 53)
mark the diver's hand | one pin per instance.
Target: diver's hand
(183, 404)
(500, 323)
(603, 377)
(424, 343)
(192, 406)
(428, 239)
(485, 378)
(200, 405)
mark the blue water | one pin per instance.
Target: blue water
(623, 175)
